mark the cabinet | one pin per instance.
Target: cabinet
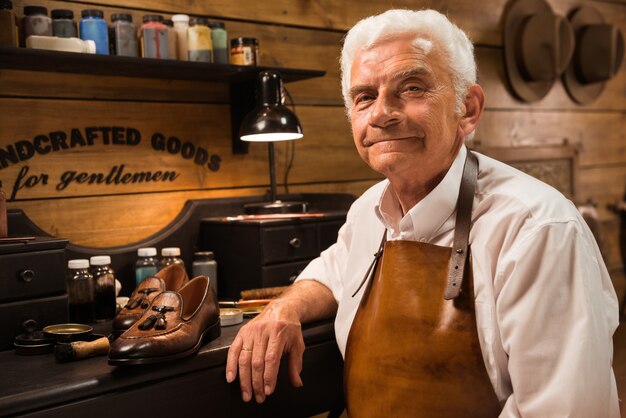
(32, 286)
(255, 253)
(241, 79)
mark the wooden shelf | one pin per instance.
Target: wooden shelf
(241, 79)
(113, 65)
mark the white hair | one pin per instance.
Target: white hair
(395, 23)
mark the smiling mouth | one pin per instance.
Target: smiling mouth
(368, 142)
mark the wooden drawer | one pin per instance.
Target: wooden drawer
(285, 243)
(281, 274)
(32, 274)
(45, 311)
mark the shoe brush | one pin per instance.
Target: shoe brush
(78, 350)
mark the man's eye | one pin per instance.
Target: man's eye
(414, 88)
(363, 98)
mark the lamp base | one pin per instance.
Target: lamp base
(277, 206)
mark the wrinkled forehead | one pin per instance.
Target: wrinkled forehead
(394, 51)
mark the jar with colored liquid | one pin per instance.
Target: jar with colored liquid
(93, 27)
(153, 37)
(122, 35)
(219, 36)
(199, 43)
(63, 24)
(181, 24)
(104, 287)
(170, 255)
(80, 292)
(36, 22)
(147, 264)
(172, 41)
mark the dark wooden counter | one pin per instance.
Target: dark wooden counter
(36, 386)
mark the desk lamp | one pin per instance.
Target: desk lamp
(271, 121)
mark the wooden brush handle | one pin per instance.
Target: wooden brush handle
(84, 349)
(264, 293)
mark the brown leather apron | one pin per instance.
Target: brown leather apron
(410, 352)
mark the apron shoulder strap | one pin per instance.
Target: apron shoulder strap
(458, 259)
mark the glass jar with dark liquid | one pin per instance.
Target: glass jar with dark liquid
(104, 287)
(80, 291)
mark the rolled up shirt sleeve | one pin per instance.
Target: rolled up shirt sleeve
(557, 311)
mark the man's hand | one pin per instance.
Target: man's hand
(260, 344)
(258, 348)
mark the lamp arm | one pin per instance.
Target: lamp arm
(270, 149)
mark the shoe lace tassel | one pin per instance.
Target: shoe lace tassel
(156, 320)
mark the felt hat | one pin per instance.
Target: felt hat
(538, 45)
(597, 56)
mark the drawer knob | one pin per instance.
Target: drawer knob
(295, 242)
(27, 275)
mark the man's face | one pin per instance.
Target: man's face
(403, 117)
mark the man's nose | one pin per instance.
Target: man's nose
(385, 111)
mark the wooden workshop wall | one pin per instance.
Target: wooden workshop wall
(295, 34)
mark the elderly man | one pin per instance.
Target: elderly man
(520, 325)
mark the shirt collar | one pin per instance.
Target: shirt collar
(423, 221)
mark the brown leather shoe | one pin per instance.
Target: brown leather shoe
(170, 278)
(173, 327)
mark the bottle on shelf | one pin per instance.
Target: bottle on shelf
(104, 287)
(219, 37)
(170, 255)
(80, 292)
(147, 264)
(8, 28)
(204, 264)
(199, 44)
(122, 35)
(181, 24)
(54, 43)
(63, 24)
(153, 37)
(93, 27)
(36, 22)
(172, 40)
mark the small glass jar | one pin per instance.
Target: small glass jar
(93, 27)
(122, 35)
(36, 21)
(63, 24)
(80, 292)
(8, 29)
(147, 264)
(170, 255)
(204, 264)
(199, 44)
(219, 37)
(153, 36)
(104, 287)
(244, 51)
(172, 41)
(181, 24)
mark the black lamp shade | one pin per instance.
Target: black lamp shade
(270, 120)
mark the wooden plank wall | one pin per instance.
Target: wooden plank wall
(292, 33)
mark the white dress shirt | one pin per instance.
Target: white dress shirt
(546, 309)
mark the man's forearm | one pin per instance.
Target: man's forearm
(309, 300)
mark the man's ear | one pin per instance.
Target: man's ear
(474, 105)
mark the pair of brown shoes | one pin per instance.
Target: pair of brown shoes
(167, 317)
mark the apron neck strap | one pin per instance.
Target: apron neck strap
(458, 259)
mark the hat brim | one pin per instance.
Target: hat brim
(580, 92)
(518, 12)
